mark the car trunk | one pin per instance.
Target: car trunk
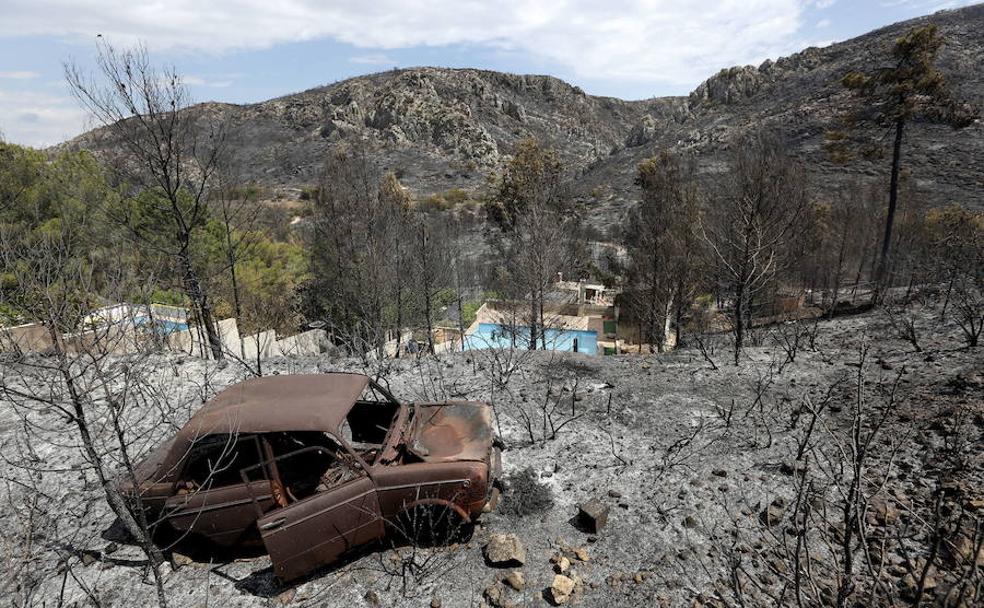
(453, 431)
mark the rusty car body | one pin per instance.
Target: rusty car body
(313, 466)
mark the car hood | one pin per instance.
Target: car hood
(452, 431)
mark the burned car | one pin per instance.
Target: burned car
(314, 466)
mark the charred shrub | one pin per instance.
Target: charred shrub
(525, 495)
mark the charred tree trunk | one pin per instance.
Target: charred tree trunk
(534, 310)
(193, 288)
(739, 320)
(884, 261)
(114, 499)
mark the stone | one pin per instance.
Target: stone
(883, 511)
(719, 473)
(286, 597)
(560, 590)
(593, 516)
(89, 558)
(179, 559)
(561, 563)
(614, 494)
(581, 554)
(961, 550)
(505, 550)
(911, 583)
(771, 515)
(493, 595)
(372, 598)
(689, 522)
(165, 570)
(515, 580)
(436, 602)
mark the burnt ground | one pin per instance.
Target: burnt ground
(698, 466)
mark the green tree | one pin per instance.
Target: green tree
(40, 198)
(57, 260)
(359, 241)
(890, 97)
(162, 145)
(531, 208)
(755, 217)
(660, 238)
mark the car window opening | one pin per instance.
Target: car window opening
(216, 460)
(310, 462)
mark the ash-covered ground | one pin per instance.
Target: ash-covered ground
(726, 486)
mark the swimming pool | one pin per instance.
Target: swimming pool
(161, 326)
(493, 335)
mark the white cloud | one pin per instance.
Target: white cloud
(373, 59)
(39, 119)
(19, 75)
(926, 6)
(667, 41)
(199, 81)
(824, 23)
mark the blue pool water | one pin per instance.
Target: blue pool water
(161, 326)
(492, 335)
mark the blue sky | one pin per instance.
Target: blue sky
(250, 50)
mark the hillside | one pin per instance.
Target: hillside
(802, 97)
(696, 465)
(441, 128)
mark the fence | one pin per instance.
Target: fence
(125, 335)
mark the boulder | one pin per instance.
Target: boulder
(515, 580)
(883, 511)
(560, 590)
(179, 560)
(561, 563)
(592, 516)
(505, 550)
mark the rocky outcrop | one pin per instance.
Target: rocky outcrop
(448, 128)
(801, 98)
(729, 86)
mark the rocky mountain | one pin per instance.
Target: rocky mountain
(436, 128)
(801, 97)
(443, 128)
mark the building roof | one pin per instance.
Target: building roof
(300, 402)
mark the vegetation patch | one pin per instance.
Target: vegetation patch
(525, 495)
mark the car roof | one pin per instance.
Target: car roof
(289, 402)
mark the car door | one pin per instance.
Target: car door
(212, 500)
(225, 515)
(316, 530)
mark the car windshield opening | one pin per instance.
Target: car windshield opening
(370, 419)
